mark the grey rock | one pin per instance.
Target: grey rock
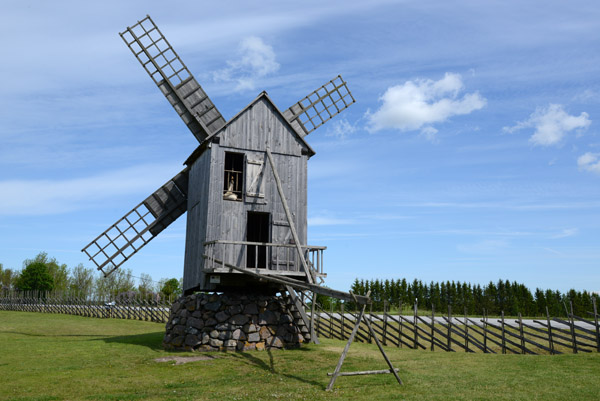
(239, 319)
(213, 306)
(214, 334)
(267, 317)
(221, 316)
(253, 337)
(251, 309)
(215, 343)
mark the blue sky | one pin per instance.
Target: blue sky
(472, 153)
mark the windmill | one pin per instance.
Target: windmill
(244, 190)
(243, 187)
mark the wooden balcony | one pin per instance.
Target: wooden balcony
(262, 257)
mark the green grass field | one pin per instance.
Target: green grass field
(56, 357)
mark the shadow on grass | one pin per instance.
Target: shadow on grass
(21, 333)
(150, 340)
(249, 358)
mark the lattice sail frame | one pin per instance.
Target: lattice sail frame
(320, 106)
(171, 75)
(139, 226)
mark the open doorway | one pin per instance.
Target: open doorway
(257, 230)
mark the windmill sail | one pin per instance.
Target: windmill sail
(173, 78)
(138, 227)
(320, 106)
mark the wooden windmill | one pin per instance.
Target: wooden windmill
(243, 187)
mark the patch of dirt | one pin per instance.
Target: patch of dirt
(180, 360)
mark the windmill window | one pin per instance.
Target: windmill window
(233, 176)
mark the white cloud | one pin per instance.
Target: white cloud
(43, 197)
(341, 129)
(551, 124)
(256, 60)
(567, 232)
(589, 162)
(420, 103)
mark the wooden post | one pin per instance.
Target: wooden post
(449, 342)
(484, 331)
(370, 317)
(313, 334)
(521, 334)
(400, 323)
(550, 342)
(596, 322)
(466, 332)
(331, 320)
(503, 336)
(415, 340)
(432, 323)
(573, 329)
(384, 323)
(342, 320)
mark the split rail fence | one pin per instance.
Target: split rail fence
(463, 333)
(134, 307)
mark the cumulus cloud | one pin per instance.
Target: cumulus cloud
(256, 60)
(589, 162)
(551, 124)
(420, 103)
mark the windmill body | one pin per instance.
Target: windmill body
(244, 187)
(233, 201)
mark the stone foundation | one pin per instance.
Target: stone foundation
(233, 322)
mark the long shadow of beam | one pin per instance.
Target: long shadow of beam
(150, 340)
(270, 367)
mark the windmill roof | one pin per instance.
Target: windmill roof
(263, 95)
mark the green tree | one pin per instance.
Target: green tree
(8, 278)
(171, 288)
(81, 281)
(35, 277)
(58, 271)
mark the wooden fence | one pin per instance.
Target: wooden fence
(123, 307)
(463, 333)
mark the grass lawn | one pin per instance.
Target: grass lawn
(56, 357)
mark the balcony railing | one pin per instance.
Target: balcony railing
(263, 257)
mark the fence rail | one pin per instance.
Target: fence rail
(467, 334)
(131, 307)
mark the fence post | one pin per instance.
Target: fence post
(596, 322)
(384, 340)
(432, 323)
(449, 342)
(572, 319)
(415, 321)
(550, 342)
(330, 320)
(503, 336)
(370, 320)
(342, 319)
(466, 332)
(400, 324)
(484, 321)
(521, 334)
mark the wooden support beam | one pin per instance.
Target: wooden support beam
(315, 288)
(309, 275)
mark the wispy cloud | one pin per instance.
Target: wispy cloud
(551, 124)
(256, 60)
(567, 232)
(421, 103)
(589, 162)
(43, 197)
(341, 129)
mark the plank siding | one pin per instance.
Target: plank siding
(210, 217)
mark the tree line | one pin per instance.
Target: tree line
(44, 274)
(511, 297)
